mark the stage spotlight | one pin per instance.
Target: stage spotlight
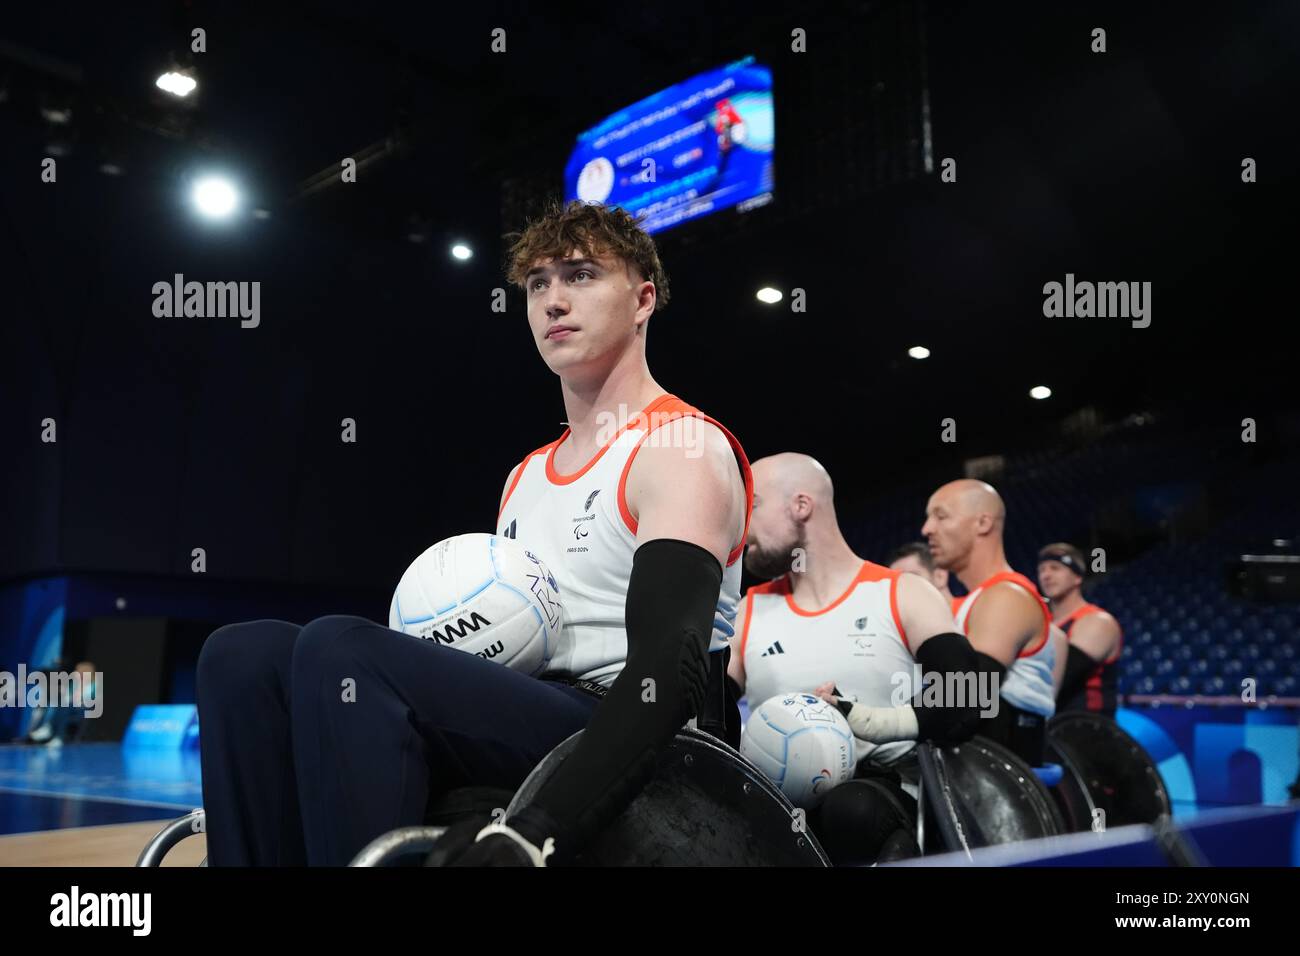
(461, 251)
(215, 197)
(918, 352)
(176, 83)
(769, 295)
(1040, 392)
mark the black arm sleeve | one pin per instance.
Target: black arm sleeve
(1078, 668)
(952, 654)
(671, 600)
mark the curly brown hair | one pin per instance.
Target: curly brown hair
(594, 229)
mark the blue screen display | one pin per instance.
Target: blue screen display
(695, 148)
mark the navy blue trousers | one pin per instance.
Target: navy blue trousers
(317, 739)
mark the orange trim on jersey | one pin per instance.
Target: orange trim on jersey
(893, 608)
(1015, 577)
(868, 572)
(558, 479)
(1082, 611)
(519, 474)
(683, 410)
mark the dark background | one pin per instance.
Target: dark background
(182, 433)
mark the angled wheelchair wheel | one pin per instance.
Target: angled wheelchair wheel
(979, 794)
(1119, 777)
(705, 806)
(173, 833)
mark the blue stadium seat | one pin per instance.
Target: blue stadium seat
(1214, 686)
(1182, 685)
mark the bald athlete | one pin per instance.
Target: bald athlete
(914, 558)
(1003, 615)
(1094, 639)
(852, 631)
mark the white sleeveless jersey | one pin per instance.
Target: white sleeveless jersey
(857, 642)
(1028, 682)
(580, 525)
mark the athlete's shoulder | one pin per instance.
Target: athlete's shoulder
(1015, 583)
(1095, 619)
(877, 572)
(517, 472)
(671, 408)
(1009, 593)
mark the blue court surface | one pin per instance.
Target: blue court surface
(49, 788)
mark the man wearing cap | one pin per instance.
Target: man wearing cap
(1092, 667)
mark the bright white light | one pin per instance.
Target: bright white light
(177, 84)
(215, 197)
(461, 251)
(769, 295)
(918, 352)
(1040, 392)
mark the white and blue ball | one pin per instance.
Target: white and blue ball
(485, 595)
(802, 743)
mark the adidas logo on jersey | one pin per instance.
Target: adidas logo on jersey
(510, 531)
(775, 649)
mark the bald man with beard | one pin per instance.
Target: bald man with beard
(831, 623)
(1003, 615)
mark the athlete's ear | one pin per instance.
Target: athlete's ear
(801, 506)
(647, 296)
